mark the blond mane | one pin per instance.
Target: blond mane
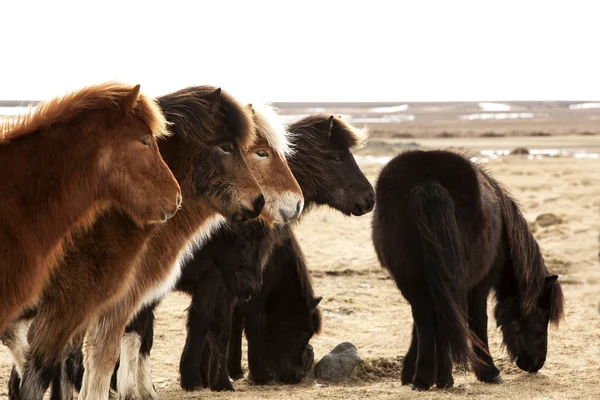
(108, 95)
(270, 126)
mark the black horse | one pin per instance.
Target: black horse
(279, 323)
(229, 268)
(449, 233)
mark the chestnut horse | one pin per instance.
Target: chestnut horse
(284, 203)
(230, 267)
(285, 200)
(449, 233)
(204, 152)
(61, 165)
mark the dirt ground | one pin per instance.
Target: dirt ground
(362, 305)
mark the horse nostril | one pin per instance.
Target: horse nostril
(259, 203)
(299, 207)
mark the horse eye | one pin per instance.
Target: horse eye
(337, 158)
(262, 154)
(146, 141)
(227, 148)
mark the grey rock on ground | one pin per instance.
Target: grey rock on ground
(338, 364)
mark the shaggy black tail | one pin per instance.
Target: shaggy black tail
(432, 208)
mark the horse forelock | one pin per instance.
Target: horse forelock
(198, 116)
(270, 126)
(239, 120)
(356, 138)
(104, 96)
(148, 110)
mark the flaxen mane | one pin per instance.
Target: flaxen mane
(192, 112)
(269, 124)
(108, 95)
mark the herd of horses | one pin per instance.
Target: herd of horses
(110, 200)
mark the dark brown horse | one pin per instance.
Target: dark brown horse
(449, 233)
(280, 322)
(210, 129)
(62, 164)
(230, 267)
(284, 202)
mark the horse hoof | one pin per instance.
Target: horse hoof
(418, 389)
(497, 380)
(193, 388)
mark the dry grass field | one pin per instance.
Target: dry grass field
(362, 305)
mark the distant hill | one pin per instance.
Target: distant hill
(440, 119)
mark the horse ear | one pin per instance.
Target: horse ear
(330, 124)
(315, 302)
(550, 279)
(132, 99)
(216, 95)
(215, 98)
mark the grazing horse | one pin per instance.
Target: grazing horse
(449, 233)
(117, 260)
(285, 310)
(229, 267)
(279, 323)
(284, 203)
(62, 164)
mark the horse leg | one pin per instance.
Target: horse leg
(15, 339)
(219, 375)
(258, 363)
(130, 359)
(14, 384)
(410, 359)
(207, 349)
(48, 343)
(423, 314)
(198, 324)
(127, 372)
(443, 376)
(234, 350)
(61, 386)
(74, 361)
(478, 321)
(145, 386)
(101, 351)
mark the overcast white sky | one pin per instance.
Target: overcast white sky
(303, 50)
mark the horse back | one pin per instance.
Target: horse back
(462, 187)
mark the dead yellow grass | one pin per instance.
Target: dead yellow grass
(362, 305)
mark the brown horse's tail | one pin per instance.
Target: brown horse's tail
(432, 208)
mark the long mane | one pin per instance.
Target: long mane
(525, 256)
(271, 127)
(341, 130)
(194, 113)
(103, 96)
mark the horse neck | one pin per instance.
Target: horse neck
(193, 224)
(53, 184)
